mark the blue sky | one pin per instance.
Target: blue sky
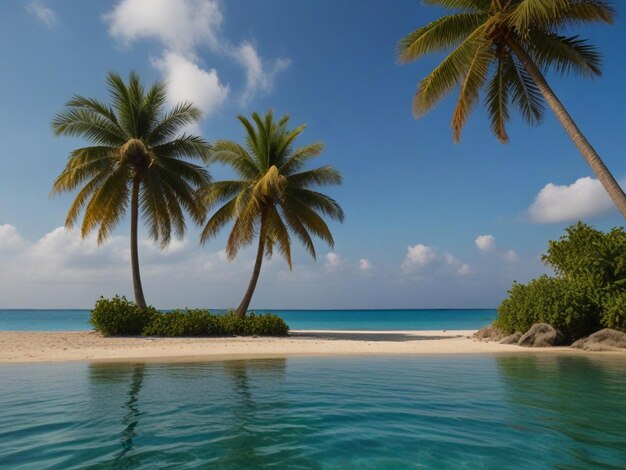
(415, 202)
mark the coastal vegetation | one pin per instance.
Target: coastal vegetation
(273, 196)
(138, 158)
(505, 48)
(121, 317)
(587, 292)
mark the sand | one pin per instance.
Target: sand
(21, 347)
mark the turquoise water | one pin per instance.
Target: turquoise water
(471, 412)
(72, 320)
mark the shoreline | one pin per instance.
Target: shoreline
(88, 346)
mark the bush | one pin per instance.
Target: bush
(614, 312)
(567, 305)
(198, 322)
(118, 317)
(588, 292)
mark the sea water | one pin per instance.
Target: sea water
(76, 320)
(467, 412)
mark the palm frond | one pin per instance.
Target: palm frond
(108, 205)
(524, 92)
(470, 88)
(318, 201)
(565, 54)
(447, 74)
(276, 231)
(440, 35)
(85, 123)
(322, 176)
(183, 114)
(473, 5)
(497, 101)
(233, 154)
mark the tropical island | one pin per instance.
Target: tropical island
(333, 388)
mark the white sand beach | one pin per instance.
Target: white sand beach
(21, 347)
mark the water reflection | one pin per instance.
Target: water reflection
(572, 407)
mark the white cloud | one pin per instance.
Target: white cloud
(180, 25)
(365, 265)
(259, 76)
(185, 28)
(10, 239)
(332, 261)
(188, 82)
(43, 13)
(485, 242)
(418, 256)
(562, 203)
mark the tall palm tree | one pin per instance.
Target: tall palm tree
(138, 156)
(506, 46)
(273, 196)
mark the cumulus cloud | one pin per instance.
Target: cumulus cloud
(188, 82)
(10, 239)
(569, 203)
(418, 256)
(43, 13)
(180, 25)
(485, 242)
(332, 261)
(186, 28)
(365, 265)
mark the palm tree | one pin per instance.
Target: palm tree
(273, 196)
(506, 46)
(138, 156)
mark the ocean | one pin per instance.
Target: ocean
(542, 411)
(78, 320)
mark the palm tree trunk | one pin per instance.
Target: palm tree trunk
(243, 306)
(134, 255)
(593, 159)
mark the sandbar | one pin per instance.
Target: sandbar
(59, 346)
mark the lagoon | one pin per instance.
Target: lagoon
(491, 412)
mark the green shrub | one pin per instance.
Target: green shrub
(266, 324)
(194, 322)
(588, 292)
(118, 317)
(614, 311)
(568, 305)
(198, 322)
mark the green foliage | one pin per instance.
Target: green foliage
(614, 312)
(585, 251)
(588, 292)
(135, 139)
(565, 304)
(199, 322)
(480, 35)
(119, 317)
(272, 191)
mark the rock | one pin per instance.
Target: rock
(489, 333)
(512, 339)
(603, 340)
(541, 335)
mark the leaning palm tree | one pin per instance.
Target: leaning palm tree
(138, 156)
(273, 196)
(506, 46)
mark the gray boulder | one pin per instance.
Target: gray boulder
(489, 333)
(603, 340)
(512, 339)
(541, 335)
